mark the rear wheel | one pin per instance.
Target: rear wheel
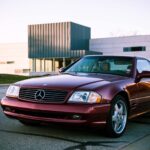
(117, 119)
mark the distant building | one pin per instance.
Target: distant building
(55, 45)
(138, 45)
(14, 58)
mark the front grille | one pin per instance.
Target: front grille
(30, 94)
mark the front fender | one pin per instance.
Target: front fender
(110, 91)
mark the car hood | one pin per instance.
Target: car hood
(67, 82)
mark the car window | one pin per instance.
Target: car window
(143, 65)
(105, 65)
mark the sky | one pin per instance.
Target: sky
(106, 18)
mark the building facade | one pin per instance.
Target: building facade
(14, 59)
(138, 45)
(55, 45)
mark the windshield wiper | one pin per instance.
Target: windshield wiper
(70, 73)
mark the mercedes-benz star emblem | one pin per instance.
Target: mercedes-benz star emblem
(39, 95)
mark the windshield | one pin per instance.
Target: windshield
(105, 65)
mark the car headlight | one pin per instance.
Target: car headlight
(13, 91)
(85, 97)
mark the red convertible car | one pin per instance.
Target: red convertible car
(94, 90)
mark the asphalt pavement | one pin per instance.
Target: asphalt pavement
(15, 136)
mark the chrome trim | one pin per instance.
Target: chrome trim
(140, 98)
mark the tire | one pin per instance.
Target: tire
(28, 123)
(117, 118)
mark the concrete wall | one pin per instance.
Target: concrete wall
(14, 58)
(114, 45)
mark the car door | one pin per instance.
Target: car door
(143, 85)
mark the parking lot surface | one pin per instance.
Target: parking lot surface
(15, 136)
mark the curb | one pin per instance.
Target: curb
(4, 85)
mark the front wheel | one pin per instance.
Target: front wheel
(117, 119)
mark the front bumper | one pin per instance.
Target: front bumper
(90, 114)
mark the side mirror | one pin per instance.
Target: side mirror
(144, 74)
(61, 69)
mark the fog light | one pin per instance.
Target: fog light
(77, 117)
(9, 109)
